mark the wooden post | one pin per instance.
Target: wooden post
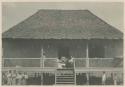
(42, 60)
(41, 78)
(75, 78)
(2, 58)
(55, 77)
(87, 60)
(87, 54)
(87, 75)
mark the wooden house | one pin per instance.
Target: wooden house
(94, 45)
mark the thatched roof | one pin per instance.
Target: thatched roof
(63, 24)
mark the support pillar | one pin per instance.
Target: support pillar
(2, 58)
(87, 53)
(41, 59)
(87, 60)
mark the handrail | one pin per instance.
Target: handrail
(56, 58)
(32, 69)
(49, 59)
(29, 58)
(74, 59)
(21, 58)
(93, 58)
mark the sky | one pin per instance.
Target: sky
(15, 12)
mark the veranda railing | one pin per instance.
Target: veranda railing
(52, 62)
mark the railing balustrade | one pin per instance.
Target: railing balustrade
(79, 62)
(101, 62)
(52, 62)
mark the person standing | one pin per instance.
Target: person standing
(26, 78)
(23, 79)
(87, 78)
(115, 79)
(9, 77)
(4, 78)
(70, 61)
(14, 77)
(104, 78)
(41, 78)
(19, 78)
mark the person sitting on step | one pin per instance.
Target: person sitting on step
(61, 62)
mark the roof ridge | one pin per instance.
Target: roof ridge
(63, 9)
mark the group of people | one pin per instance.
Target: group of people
(12, 77)
(113, 78)
(64, 62)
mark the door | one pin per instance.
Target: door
(63, 51)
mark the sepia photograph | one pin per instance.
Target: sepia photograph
(62, 43)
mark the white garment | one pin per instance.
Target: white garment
(26, 76)
(19, 76)
(103, 79)
(9, 79)
(9, 75)
(14, 79)
(19, 79)
(60, 65)
(115, 80)
(71, 60)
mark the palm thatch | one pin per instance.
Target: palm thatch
(63, 24)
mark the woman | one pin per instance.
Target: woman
(61, 63)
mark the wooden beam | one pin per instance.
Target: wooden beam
(42, 60)
(87, 53)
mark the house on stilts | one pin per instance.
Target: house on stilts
(36, 45)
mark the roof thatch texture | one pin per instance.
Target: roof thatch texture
(63, 24)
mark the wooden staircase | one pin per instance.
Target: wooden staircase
(65, 76)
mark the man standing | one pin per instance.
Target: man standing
(14, 74)
(19, 78)
(9, 77)
(115, 79)
(104, 78)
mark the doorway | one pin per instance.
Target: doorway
(63, 51)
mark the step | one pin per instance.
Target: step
(65, 78)
(60, 79)
(66, 69)
(68, 72)
(65, 75)
(64, 82)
